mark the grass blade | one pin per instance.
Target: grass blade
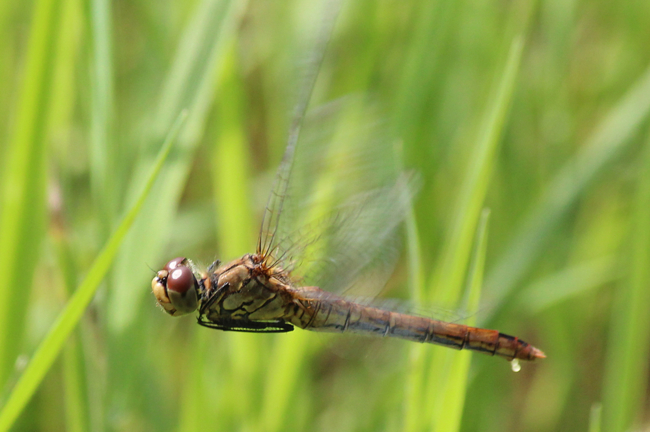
(103, 152)
(450, 274)
(74, 373)
(414, 380)
(189, 85)
(454, 400)
(22, 215)
(595, 417)
(626, 372)
(569, 283)
(235, 236)
(290, 353)
(448, 279)
(49, 349)
(607, 142)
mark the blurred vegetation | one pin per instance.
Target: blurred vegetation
(535, 110)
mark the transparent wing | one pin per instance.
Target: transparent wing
(276, 201)
(343, 203)
(338, 197)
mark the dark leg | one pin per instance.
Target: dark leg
(246, 326)
(207, 303)
(213, 267)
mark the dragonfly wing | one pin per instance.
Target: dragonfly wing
(275, 205)
(348, 194)
(363, 244)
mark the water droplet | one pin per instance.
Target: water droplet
(514, 365)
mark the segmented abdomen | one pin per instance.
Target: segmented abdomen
(339, 315)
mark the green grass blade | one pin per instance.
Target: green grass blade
(569, 283)
(415, 379)
(595, 417)
(53, 342)
(236, 230)
(423, 59)
(626, 372)
(450, 274)
(23, 183)
(448, 279)
(61, 119)
(74, 373)
(607, 142)
(454, 399)
(103, 152)
(189, 85)
(288, 356)
(76, 400)
(235, 237)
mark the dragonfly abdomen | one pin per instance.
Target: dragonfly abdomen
(339, 315)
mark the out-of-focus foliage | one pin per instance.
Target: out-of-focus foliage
(535, 110)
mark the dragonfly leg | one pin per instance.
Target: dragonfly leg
(205, 305)
(214, 266)
(246, 326)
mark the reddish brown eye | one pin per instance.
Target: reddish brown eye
(171, 265)
(176, 288)
(180, 279)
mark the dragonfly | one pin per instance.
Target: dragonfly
(269, 291)
(329, 231)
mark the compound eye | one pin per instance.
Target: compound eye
(171, 265)
(180, 280)
(176, 288)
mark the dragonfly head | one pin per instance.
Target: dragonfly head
(176, 287)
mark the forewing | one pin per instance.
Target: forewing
(344, 201)
(338, 197)
(273, 213)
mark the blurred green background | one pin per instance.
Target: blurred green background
(535, 110)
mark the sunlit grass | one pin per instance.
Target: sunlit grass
(458, 380)
(446, 384)
(627, 358)
(552, 139)
(22, 211)
(49, 349)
